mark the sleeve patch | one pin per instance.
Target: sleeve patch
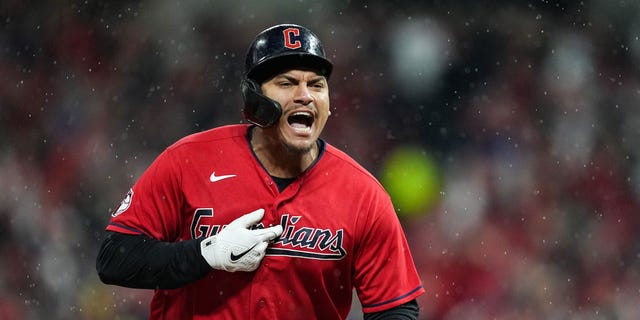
(124, 205)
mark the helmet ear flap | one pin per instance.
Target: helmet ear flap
(258, 109)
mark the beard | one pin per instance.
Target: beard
(297, 149)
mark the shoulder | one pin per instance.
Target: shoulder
(348, 167)
(229, 133)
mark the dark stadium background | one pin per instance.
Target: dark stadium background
(524, 114)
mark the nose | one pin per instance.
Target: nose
(302, 94)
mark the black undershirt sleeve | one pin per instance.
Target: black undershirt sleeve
(407, 311)
(137, 261)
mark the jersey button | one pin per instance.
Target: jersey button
(262, 303)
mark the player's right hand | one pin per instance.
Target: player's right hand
(236, 247)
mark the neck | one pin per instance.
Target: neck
(278, 159)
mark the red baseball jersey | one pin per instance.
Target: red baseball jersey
(340, 232)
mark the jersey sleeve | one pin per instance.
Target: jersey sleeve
(385, 274)
(152, 206)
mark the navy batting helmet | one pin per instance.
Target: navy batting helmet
(276, 49)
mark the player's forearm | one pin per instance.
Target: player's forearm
(142, 262)
(407, 311)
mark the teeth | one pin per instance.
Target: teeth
(301, 121)
(301, 129)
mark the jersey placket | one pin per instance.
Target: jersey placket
(262, 307)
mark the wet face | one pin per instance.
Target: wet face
(304, 97)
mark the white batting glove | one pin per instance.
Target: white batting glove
(236, 247)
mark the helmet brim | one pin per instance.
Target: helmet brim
(275, 65)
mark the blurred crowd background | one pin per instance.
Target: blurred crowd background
(506, 131)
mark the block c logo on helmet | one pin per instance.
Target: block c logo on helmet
(289, 33)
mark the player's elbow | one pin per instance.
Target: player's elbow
(105, 276)
(109, 263)
(105, 273)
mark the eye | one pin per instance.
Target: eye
(318, 85)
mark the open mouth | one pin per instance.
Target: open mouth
(300, 121)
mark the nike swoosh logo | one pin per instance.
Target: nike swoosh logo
(237, 257)
(214, 178)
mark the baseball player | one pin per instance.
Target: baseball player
(264, 220)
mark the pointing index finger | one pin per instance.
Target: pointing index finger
(268, 234)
